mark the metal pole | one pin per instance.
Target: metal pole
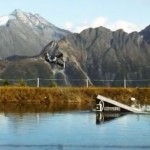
(125, 83)
(38, 82)
(87, 82)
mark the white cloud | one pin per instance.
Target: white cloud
(126, 26)
(102, 21)
(80, 28)
(68, 25)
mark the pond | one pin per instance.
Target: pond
(74, 130)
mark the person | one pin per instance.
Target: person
(50, 58)
(58, 59)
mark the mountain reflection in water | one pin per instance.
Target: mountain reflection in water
(74, 130)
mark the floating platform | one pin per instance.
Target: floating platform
(104, 104)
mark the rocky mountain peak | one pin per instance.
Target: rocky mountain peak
(17, 11)
(146, 34)
(30, 19)
(18, 28)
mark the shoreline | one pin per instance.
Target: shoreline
(64, 98)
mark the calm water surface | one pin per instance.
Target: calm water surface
(73, 130)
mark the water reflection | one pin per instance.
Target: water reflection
(74, 130)
(35, 108)
(105, 117)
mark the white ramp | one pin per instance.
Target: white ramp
(126, 107)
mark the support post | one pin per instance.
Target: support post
(125, 83)
(87, 82)
(38, 82)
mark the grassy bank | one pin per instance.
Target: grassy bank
(72, 98)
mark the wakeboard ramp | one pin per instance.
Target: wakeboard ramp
(104, 104)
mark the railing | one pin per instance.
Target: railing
(40, 82)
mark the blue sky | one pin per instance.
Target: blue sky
(76, 15)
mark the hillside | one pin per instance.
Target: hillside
(25, 34)
(106, 55)
(103, 57)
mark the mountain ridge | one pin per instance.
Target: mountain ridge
(97, 54)
(16, 34)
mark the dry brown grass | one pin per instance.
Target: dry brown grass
(23, 96)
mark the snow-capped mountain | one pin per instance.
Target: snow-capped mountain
(25, 34)
(5, 19)
(31, 19)
(25, 17)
